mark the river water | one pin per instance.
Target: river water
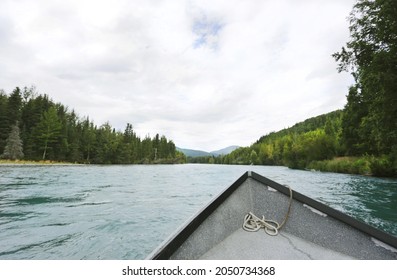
(126, 211)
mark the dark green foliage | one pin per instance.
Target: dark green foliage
(351, 165)
(50, 131)
(10, 113)
(370, 125)
(14, 106)
(355, 110)
(383, 166)
(316, 138)
(4, 123)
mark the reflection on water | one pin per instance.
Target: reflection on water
(124, 212)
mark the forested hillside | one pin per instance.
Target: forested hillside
(363, 137)
(33, 127)
(316, 143)
(314, 139)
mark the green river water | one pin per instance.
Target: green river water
(126, 211)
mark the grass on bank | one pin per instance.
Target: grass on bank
(32, 162)
(366, 165)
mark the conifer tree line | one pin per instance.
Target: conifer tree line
(33, 127)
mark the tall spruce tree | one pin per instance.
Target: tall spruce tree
(14, 148)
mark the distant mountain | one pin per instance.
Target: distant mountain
(198, 153)
(193, 153)
(225, 151)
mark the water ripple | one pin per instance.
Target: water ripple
(45, 200)
(48, 244)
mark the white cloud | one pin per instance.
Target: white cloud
(207, 74)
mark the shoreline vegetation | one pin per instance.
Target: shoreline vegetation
(34, 128)
(366, 165)
(53, 162)
(32, 162)
(315, 144)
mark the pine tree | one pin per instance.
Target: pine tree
(48, 130)
(4, 124)
(14, 147)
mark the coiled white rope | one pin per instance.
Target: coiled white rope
(253, 223)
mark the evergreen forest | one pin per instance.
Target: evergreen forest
(33, 127)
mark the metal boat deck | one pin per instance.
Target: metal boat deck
(261, 246)
(312, 231)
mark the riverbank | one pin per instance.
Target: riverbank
(52, 162)
(32, 162)
(365, 165)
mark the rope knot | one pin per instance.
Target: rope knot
(253, 223)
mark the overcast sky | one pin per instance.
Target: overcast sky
(206, 74)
